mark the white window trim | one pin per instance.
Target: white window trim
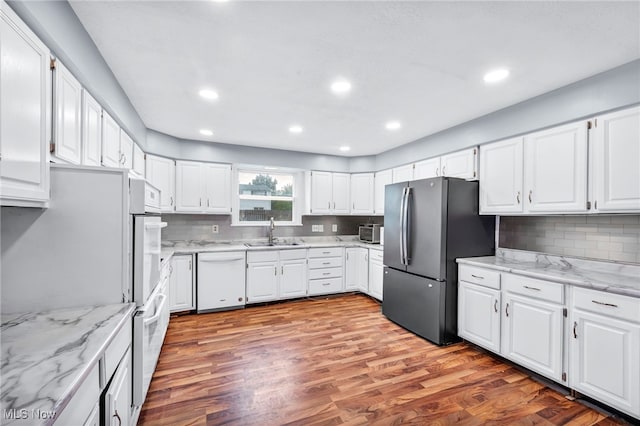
(298, 197)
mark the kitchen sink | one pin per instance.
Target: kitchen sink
(273, 244)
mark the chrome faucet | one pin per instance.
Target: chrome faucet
(272, 226)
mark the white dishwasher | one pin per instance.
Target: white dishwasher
(221, 280)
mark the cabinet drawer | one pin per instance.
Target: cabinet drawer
(481, 276)
(115, 351)
(328, 262)
(293, 254)
(613, 305)
(325, 252)
(531, 287)
(331, 285)
(325, 273)
(262, 256)
(376, 255)
(82, 402)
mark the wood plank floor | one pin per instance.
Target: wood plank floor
(337, 361)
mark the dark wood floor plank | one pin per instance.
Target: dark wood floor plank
(337, 361)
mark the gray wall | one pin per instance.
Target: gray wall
(596, 237)
(198, 227)
(59, 28)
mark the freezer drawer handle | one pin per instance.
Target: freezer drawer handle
(604, 304)
(477, 276)
(532, 288)
(156, 316)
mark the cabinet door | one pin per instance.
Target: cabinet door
(293, 278)
(181, 284)
(479, 315)
(402, 173)
(161, 172)
(382, 179)
(351, 273)
(604, 354)
(117, 398)
(262, 282)
(110, 142)
(188, 192)
(617, 161)
(362, 193)
(25, 113)
(461, 164)
(376, 273)
(340, 190)
(126, 150)
(555, 164)
(321, 192)
(427, 169)
(532, 334)
(67, 100)
(217, 187)
(501, 177)
(138, 160)
(91, 130)
(363, 270)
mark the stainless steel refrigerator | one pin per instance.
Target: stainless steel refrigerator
(429, 223)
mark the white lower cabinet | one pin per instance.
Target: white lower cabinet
(604, 347)
(181, 284)
(276, 274)
(221, 280)
(356, 276)
(118, 396)
(326, 270)
(376, 273)
(479, 319)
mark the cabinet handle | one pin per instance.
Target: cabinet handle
(282, 270)
(506, 310)
(329, 263)
(366, 257)
(275, 270)
(604, 304)
(575, 326)
(477, 276)
(495, 305)
(437, 171)
(325, 284)
(531, 288)
(328, 204)
(171, 201)
(518, 197)
(347, 256)
(207, 202)
(443, 170)
(117, 416)
(326, 273)
(200, 202)
(530, 194)
(326, 252)
(189, 265)
(334, 205)
(354, 206)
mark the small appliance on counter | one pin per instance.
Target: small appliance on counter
(370, 233)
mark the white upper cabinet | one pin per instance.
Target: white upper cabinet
(203, 187)
(91, 130)
(110, 141)
(161, 172)
(67, 101)
(126, 150)
(461, 164)
(501, 177)
(555, 165)
(25, 113)
(382, 179)
(427, 169)
(362, 193)
(616, 163)
(138, 160)
(330, 193)
(402, 173)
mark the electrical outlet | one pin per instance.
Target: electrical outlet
(215, 229)
(334, 227)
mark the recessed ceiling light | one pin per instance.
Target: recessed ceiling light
(295, 129)
(496, 75)
(345, 148)
(340, 86)
(393, 125)
(206, 132)
(208, 94)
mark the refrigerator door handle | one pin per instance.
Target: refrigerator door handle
(402, 226)
(407, 226)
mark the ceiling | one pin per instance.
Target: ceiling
(420, 63)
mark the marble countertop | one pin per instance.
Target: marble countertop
(613, 277)
(47, 355)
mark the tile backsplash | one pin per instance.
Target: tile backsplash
(199, 227)
(613, 237)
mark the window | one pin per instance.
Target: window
(263, 195)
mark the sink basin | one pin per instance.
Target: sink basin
(273, 244)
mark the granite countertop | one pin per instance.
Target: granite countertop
(47, 355)
(612, 277)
